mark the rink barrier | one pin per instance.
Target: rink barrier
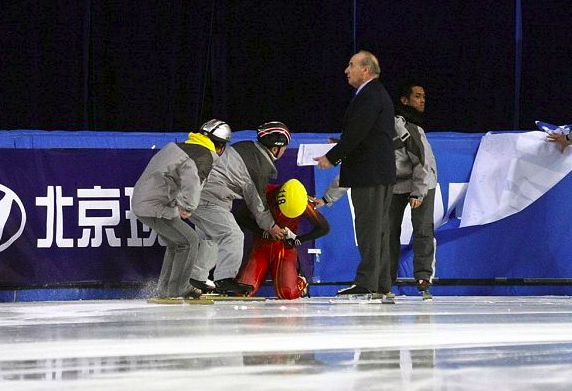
(497, 281)
(464, 255)
(134, 291)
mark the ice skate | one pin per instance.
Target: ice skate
(356, 294)
(303, 286)
(423, 287)
(232, 297)
(354, 291)
(230, 286)
(192, 292)
(178, 300)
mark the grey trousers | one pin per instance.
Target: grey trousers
(424, 243)
(371, 207)
(222, 242)
(180, 254)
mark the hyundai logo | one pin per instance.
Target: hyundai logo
(9, 217)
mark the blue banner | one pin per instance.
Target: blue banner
(531, 244)
(65, 217)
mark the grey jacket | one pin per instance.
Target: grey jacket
(416, 166)
(243, 172)
(174, 177)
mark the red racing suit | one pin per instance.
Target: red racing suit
(277, 256)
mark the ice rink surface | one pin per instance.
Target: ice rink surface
(450, 343)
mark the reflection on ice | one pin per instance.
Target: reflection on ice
(449, 344)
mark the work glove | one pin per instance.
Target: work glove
(290, 238)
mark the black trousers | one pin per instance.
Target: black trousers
(423, 235)
(371, 208)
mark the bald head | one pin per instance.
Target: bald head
(369, 61)
(363, 66)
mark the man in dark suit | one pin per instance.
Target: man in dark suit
(367, 153)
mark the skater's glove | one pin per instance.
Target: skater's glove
(292, 242)
(290, 238)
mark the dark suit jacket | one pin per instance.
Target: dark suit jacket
(366, 145)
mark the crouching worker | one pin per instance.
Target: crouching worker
(168, 191)
(288, 204)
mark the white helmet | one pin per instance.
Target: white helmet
(216, 130)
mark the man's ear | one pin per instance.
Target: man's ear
(404, 100)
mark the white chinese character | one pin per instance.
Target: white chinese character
(54, 208)
(98, 222)
(135, 240)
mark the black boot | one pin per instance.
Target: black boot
(201, 285)
(354, 290)
(230, 285)
(423, 287)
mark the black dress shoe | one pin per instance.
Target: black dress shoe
(230, 285)
(354, 290)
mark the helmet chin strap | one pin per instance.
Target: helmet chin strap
(275, 154)
(220, 149)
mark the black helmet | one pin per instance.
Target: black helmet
(216, 130)
(274, 134)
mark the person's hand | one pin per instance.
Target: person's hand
(323, 162)
(276, 232)
(414, 203)
(290, 238)
(558, 138)
(317, 202)
(183, 213)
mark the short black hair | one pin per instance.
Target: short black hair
(407, 88)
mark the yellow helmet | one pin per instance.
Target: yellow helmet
(292, 198)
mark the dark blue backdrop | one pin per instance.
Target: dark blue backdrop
(149, 65)
(533, 243)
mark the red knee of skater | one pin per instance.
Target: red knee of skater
(289, 294)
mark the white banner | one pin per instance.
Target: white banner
(510, 172)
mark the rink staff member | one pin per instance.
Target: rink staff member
(416, 183)
(168, 191)
(243, 172)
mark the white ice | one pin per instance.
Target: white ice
(451, 343)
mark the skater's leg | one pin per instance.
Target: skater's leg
(255, 269)
(287, 283)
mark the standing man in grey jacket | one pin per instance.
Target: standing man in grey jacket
(243, 172)
(168, 191)
(416, 183)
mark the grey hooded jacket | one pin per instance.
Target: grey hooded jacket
(243, 172)
(174, 177)
(416, 166)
